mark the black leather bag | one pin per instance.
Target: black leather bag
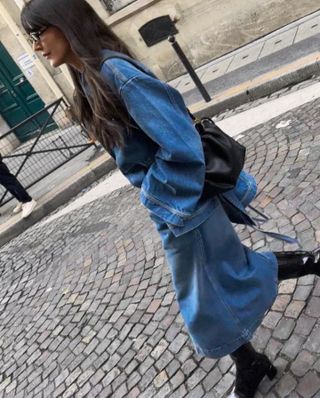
(224, 158)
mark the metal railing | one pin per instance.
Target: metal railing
(53, 139)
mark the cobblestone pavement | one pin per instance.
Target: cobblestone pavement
(87, 307)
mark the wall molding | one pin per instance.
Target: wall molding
(128, 11)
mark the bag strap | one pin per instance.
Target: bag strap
(274, 235)
(252, 222)
(262, 217)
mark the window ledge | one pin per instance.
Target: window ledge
(128, 11)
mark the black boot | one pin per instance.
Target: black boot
(298, 263)
(251, 368)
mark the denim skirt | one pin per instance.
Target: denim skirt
(222, 287)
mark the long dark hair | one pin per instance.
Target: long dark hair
(102, 114)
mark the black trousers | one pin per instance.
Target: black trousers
(10, 182)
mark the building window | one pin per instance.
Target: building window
(116, 5)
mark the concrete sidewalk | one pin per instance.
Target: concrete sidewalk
(283, 58)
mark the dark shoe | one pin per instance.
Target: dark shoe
(249, 376)
(298, 263)
(295, 257)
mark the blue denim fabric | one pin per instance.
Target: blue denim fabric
(246, 188)
(163, 154)
(222, 287)
(236, 200)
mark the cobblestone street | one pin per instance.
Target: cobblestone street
(86, 303)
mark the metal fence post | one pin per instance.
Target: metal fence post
(189, 68)
(45, 153)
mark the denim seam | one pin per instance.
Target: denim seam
(246, 333)
(172, 99)
(115, 71)
(213, 284)
(203, 257)
(127, 82)
(185, 216)
(124, 86)
(250, 330)
(177, 108)
(164, 205)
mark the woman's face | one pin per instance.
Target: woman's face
(54, 46)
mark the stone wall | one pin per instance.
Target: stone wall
(10, 142)
(207, 28)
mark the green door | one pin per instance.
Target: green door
(18, 100)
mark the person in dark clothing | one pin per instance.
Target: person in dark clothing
(11, 183)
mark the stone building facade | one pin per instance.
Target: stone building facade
(207, 29)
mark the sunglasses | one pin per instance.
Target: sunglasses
(36, 35)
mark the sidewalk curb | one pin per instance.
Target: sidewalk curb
(261, 86)
(51, 201)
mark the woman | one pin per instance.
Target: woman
(222, 287)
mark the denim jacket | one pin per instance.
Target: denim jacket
(163, 153)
